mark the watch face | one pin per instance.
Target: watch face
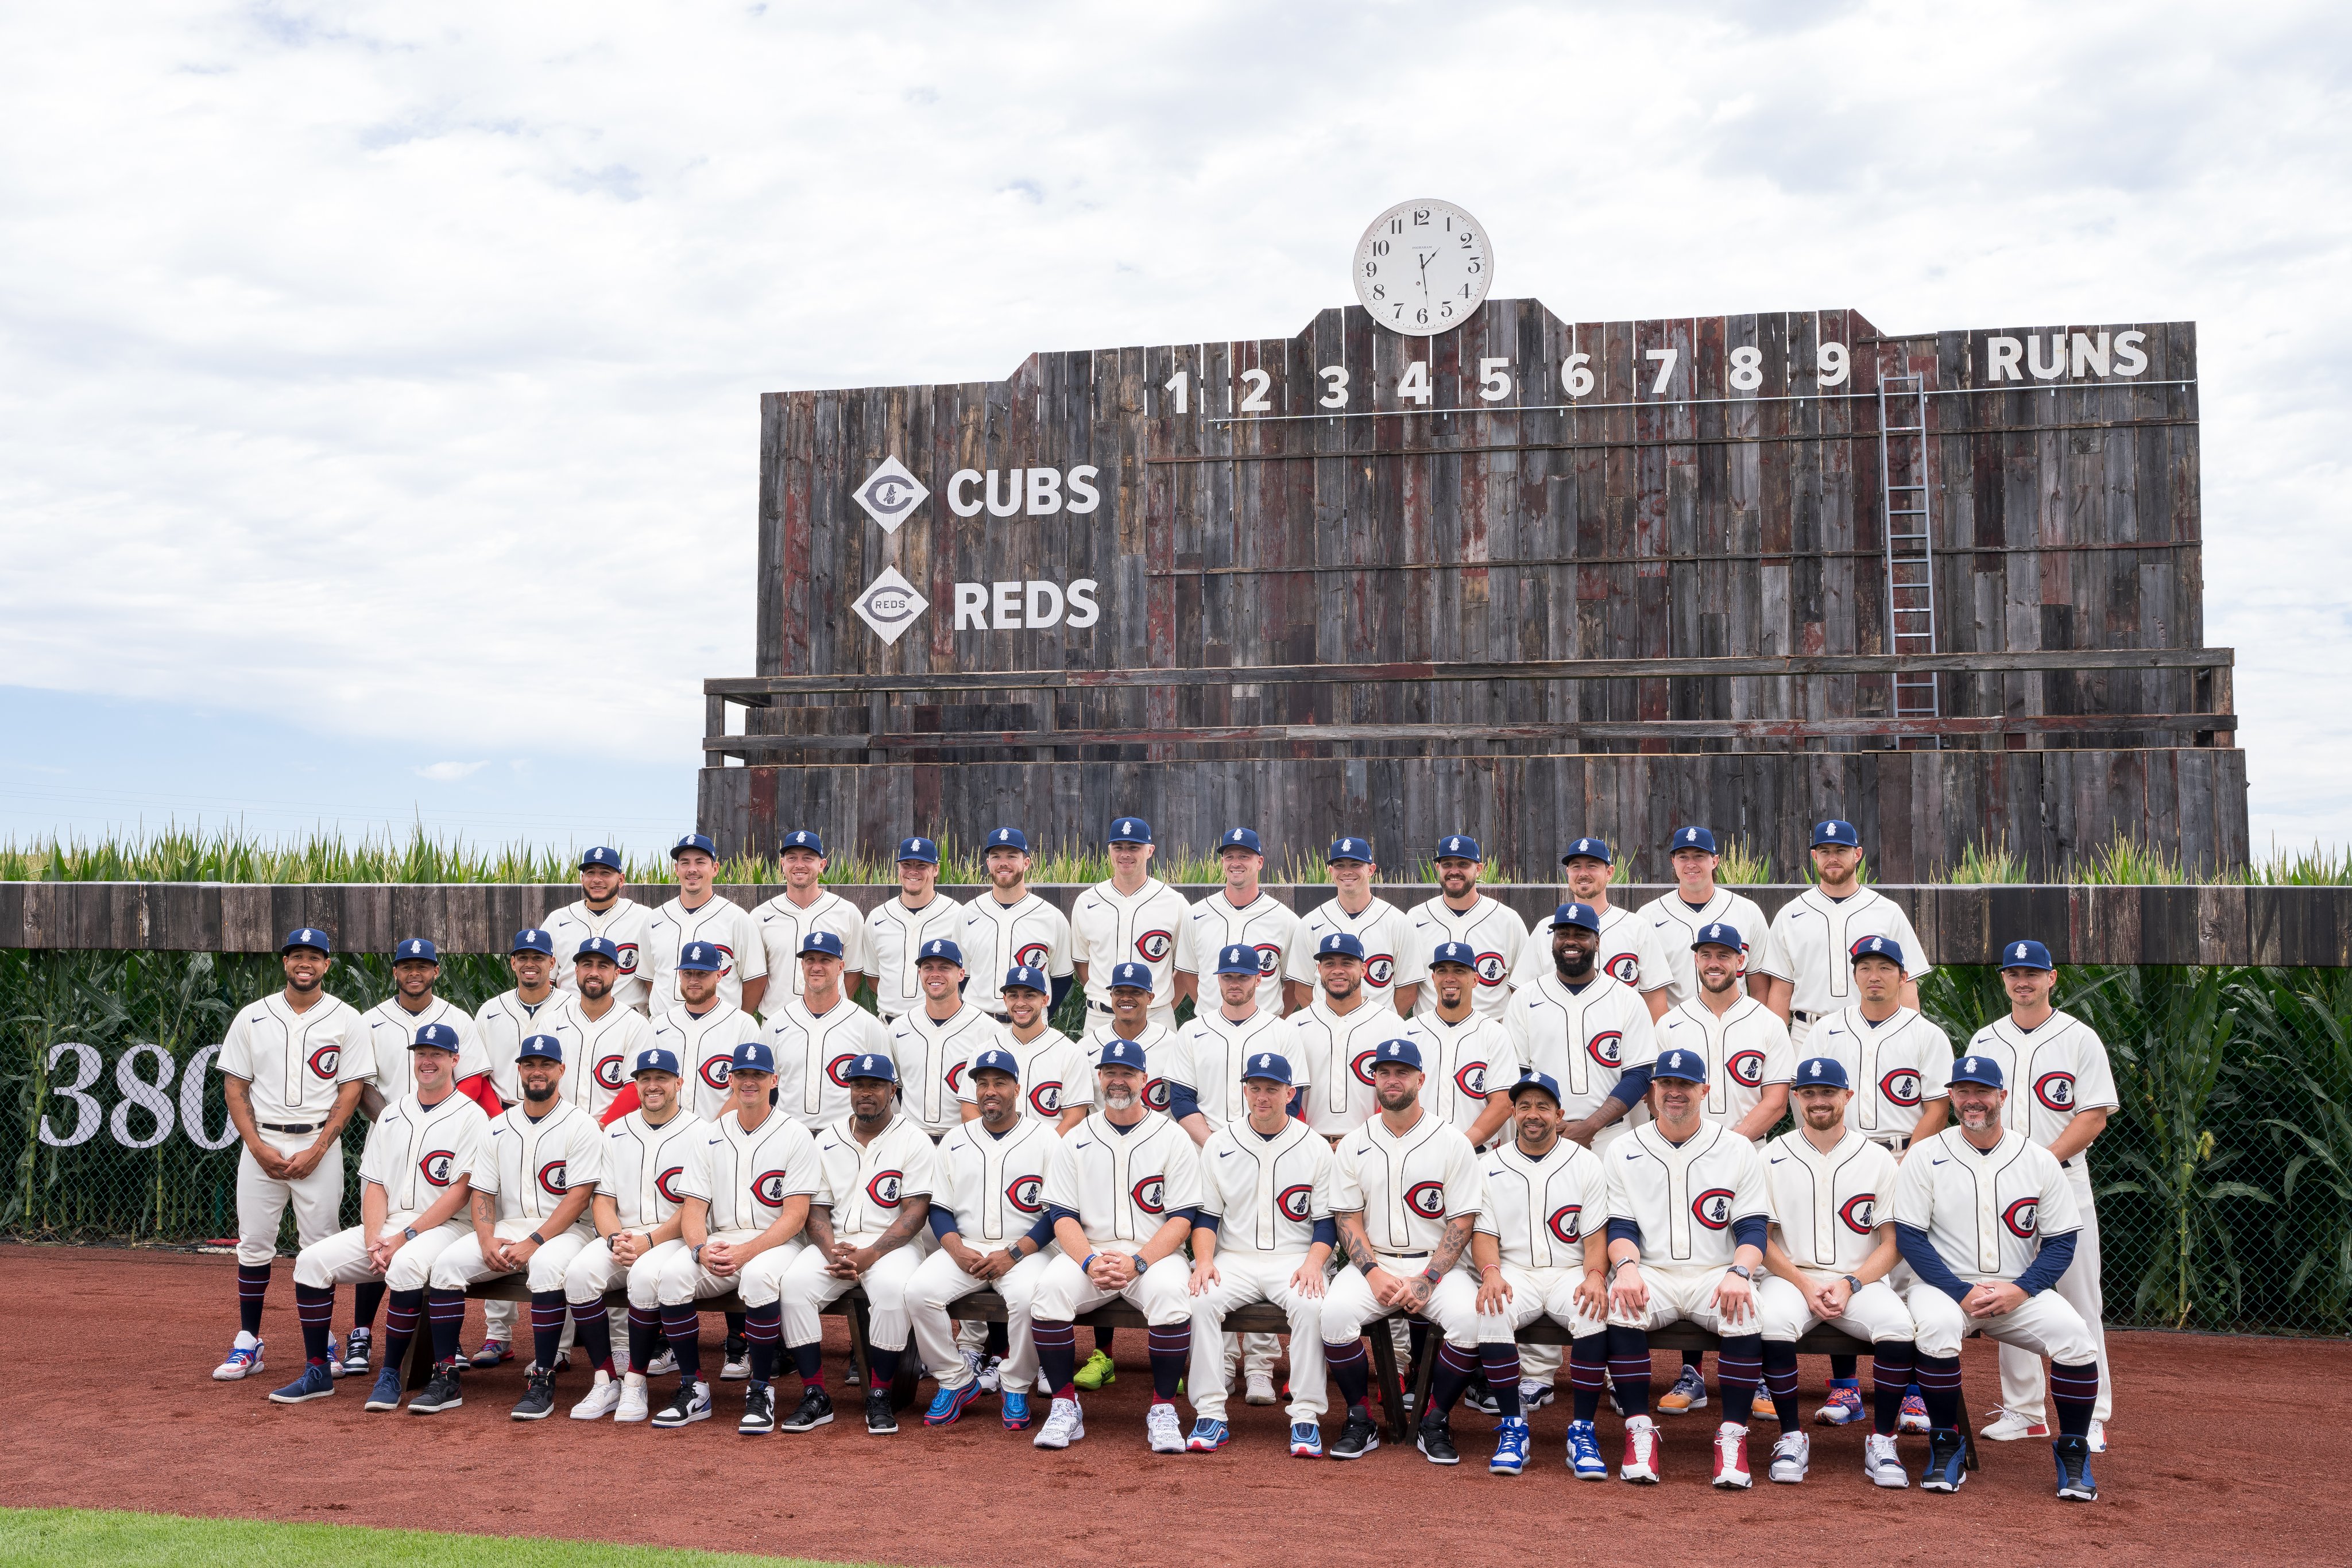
(1423, 267)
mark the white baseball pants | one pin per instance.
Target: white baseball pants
(1243, 1279)
(1535, 1293)
(1683, 1295)
(1347, 1306)
(761, 1282)
(1162, 1293)
(806, 1290)
(595, 1270)
(342, 1258)
(261, 1200)
(2045, 1325)
(1875, 1313)
(462, 1264)
(940, 1283)
(2021, 1371)
(683, 1280)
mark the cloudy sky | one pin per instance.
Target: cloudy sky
(378, 383)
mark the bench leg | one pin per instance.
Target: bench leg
(1421, 1374)
(856, 1316)
(1384, 1368)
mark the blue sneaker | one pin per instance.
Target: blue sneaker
(1306, 1441)
(1511, 1447)
(316, 1383)
(1584, 1453)
(949, 1403)
(386, 1395)
(1016, 1411)
(1946, 1466)
(1207, 1437)
(2075, 1482)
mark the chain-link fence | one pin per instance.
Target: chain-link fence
(2224, 1180)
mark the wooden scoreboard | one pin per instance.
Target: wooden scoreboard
(1521, 577)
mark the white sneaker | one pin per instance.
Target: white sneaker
(1065, 1424)
(1261, 1388)
(604, 1398)
(663, 1364)
(635, 1402)
(2008, 1426)
(1881, 1463)
(1640, 1451)
(1792, 1454)
(1535, 1393)
(1160, 1426)
(1731, 1455)
(734, 1369)
(244, 1360)
(991, 1376)
(2098, 1439)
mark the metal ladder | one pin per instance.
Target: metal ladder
(1910, 553)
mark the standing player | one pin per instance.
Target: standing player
(786, 921)
(1460, 915)
(1057, 1086)
(1391, 960)
(1334, 1041)
(534, 1005)
(1262, 1232)
(1687, 1217)
(611, 1032)
(1204, 1069)
(1629, 950)
(1585, 1029)
(1986, 1220)
(898, 928)
(2069, 1091)
(1467, 1055)
(1696, 901)
(292, 1069)
(818, 1034)
(605, 914)
(1132, 918)
(1119, 1190)
(932, 1043)
(989, 1217)
(703, 1028)
(1244, 914)
(1010, 928)
(1805, 968)
(1832, 1248)
(701, 914)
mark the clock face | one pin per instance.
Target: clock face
(1423, 267)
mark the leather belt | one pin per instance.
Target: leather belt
(1897, 1144)
(1802, 1017)
(290, 1127)
(1099, 1007)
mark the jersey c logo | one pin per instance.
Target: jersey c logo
(608, 1072)
(628, 952)
(2055, 1089)
(1362, 1066)
(714, 1072)
(1625, 966)
(1564, 1221)
(1155, 946)
(838, 1069)
(1901, 1087)
(434, 1167)
(1295, 1203)
(1045, 1099)
(1269, 960)
(1492, 970)
(1026, 1194)
(551, 1178)
(665, 1184)
(1149, 1194)
(1607, 1047)
(1379, 969)
(955, 1077)
(1031, 954)
(1155, 1095)
(768, 1187)
(883, 1188)
(2022, 1215)
(1426, 1198)
(1747, 1068)
(1712, 1207)
(1471, 1078)
(325, 1059)
(1860, 1213)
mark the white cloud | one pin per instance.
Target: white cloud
(450, 772)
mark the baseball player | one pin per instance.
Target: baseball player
(1629, 948)
(932, 1043)
(702, 1028)
(878, 1171)
(1697, 903)
(652, 1163)
(2069, 1091)
(1467, 1054)
(605, 914)
(1805, 969)
(701, 914)
(1687, 1218)
(1334, 1041)
(1131, 1020)
(1120, 1191)
(414, 1183)
(532, 1185)
(1057, 1086)
(611, 1033)
(1461, 916)
(1830, 1251)
(1585, 1029)
(1986, 1220)
(897, 929)
(1405, 1195)
(534, 1005)
(759, 1167)
(785, 921)
(1539, 1249)
(292, 1069)
(1205, 1069)
(1391, 958)
(1132, 918)
(1010, 928)
(1262, 1232)
(989, 1218)
(1244, 914)
(816, 1034)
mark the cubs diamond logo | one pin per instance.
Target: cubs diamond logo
(1031, 954)
(714, 1072)
(1747, 1068)
(889, 605)
(666, 1183)
(1471, 1078)
(1379, 969)
(890, 493)
(1607, 1047)
(1155, 1095)
(1269, 960)
(1492, 970)
(1155, 946)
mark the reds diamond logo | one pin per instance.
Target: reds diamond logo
(889, 605)
(890, 493)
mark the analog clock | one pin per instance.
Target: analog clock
(1423, 267)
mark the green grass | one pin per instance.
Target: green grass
(103, 1539)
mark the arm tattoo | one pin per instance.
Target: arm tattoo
(484, 1214)
(1357, 1244)
(820, 1227)
(1449, 1245)
(915, 1215)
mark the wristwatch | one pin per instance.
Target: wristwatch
(409, 1234)
(1432, 1275)
(1742, 1270)
(536, 1239)
(1852, 1283)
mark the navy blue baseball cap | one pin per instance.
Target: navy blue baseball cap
(1878, 948)
(1534, 1080)
(1718, 935)
(531, 939)
(1459, 847)
(700, 956)
(1982, 1069)
(1134, 976)
(1271, 1066)
(1009, 838)
(1822, 1072)
(419, 949)
(1691, 839)
(752, 1056)
(1129, 831)
(599, 948)
(1241, 838)
(1686, 1066)
(824, 942)
(1349, 849)
(1028, 978)
(923, 850)
(1237, 960)
(1836, 832)
(603, 855)
(803, 838)
(1577, 914)
(694, 841)
(656, 1058)
(1119, 1052)
(307, 937)
(545, 1045)
(1340, 944)
(2026, 955)
(939, 947)
(435, 1036)
(1398, 1050)
(875, 1065)
(993, 1060)
(1459, 953)
(1588, 849)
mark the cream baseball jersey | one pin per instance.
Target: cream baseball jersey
(1488, 927)
(1158, 1043)
(1266, 1194)
(506, 1020)
(1630, 952)
(783, 925)
(1408, 1185)
(2054, 1072)
(998, 937)
(1153, 927)
(628, 925)
(1539, 1211)
(814, 1052)
(1212, 1052)
(1053, 1073)
(1264, 924)
(1462, 1062)
(647, 1170)
(895, 935)
(1122, 1183)
(1686, 1196)
(608, 1046)
(1987, 1210)
(391, 1029)
(1745, 1049)
(298, 1062)
(749, 1172)
(705, 1043)
(930, 1054)
(1332, 1053)
(1829, 1207)
(718, 920)
(529, 1164)
(1586, 1038)
(415, 1152)
(866, 1186)
(1677, 925)
(1895, 1068)
(1813, 941)
(995, 1186)
(1390, 959)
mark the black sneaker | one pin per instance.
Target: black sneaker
(691, 1403)
(1355, 1439)
(815, 1409)
(1436, 1441)
(440, 1394)
(1479, 1395)
(758, 1411)
(880, 1419)
(849, 1374)
(538, 1401)
(2075, 1482)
